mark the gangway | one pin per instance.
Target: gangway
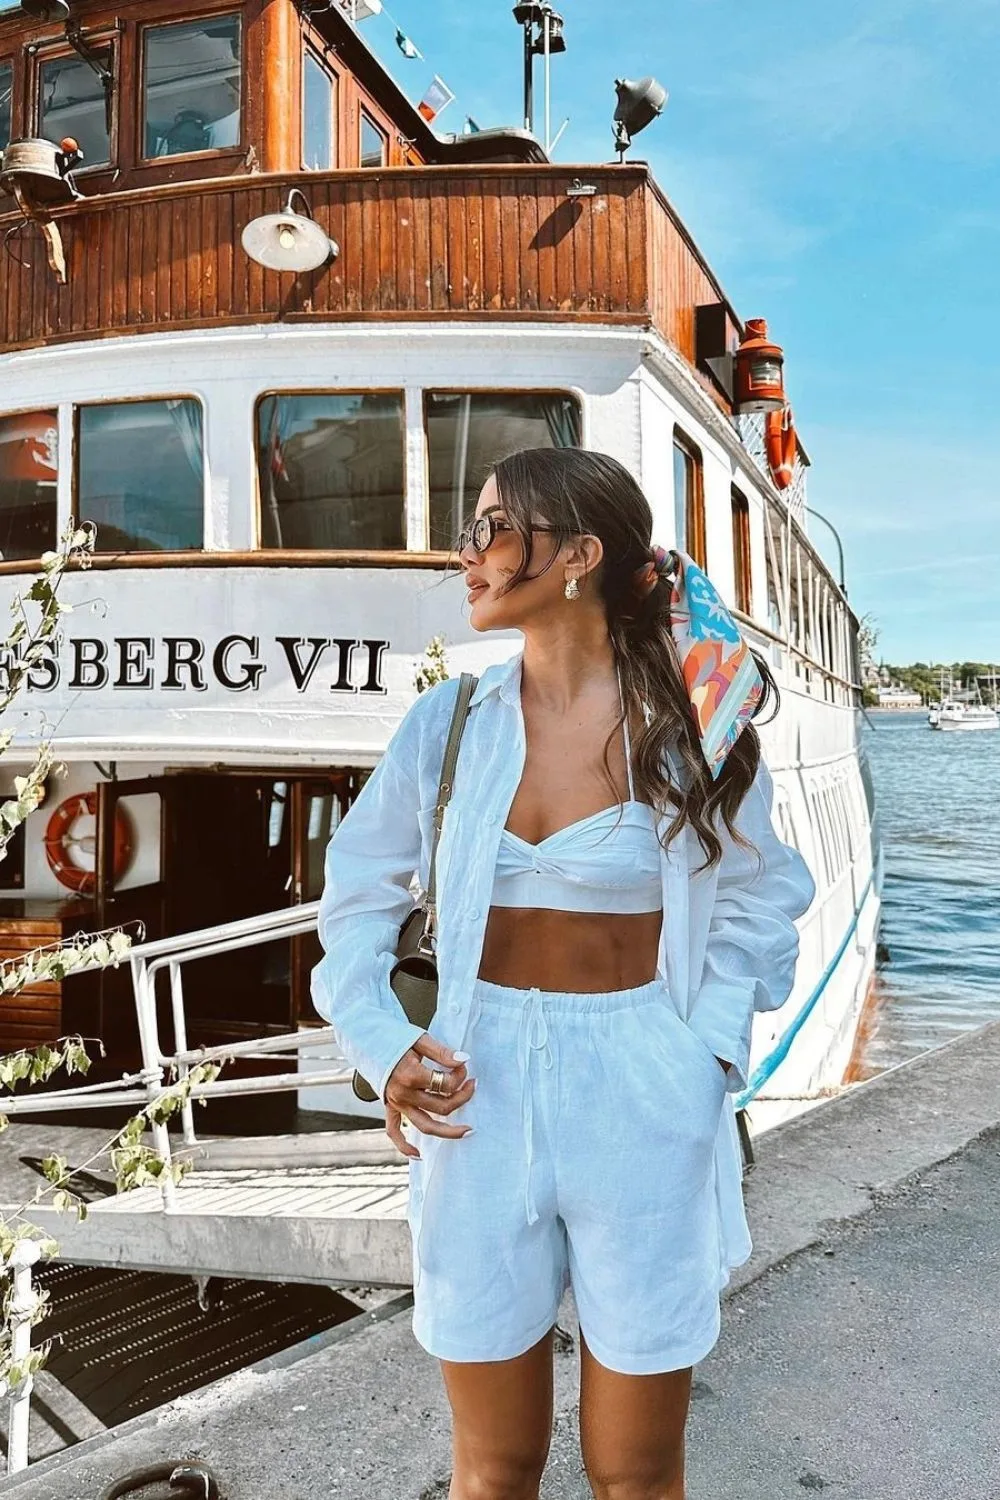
(325, 1208)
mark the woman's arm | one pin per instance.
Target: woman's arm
(752, 942)
(370, 861)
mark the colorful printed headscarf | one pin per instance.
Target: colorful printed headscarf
(719, 671)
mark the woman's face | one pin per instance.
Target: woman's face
(487, 573)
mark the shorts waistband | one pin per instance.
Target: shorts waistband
(577, 1002)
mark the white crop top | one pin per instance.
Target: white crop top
(609, 862)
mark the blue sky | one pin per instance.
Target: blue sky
(840, 167)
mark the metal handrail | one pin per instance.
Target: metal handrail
(146, 961)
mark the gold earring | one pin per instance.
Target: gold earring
(572, 589)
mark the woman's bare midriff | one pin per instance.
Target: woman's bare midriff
(585, 952)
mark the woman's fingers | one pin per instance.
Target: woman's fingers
(441, 1104)
(429, 1046)
(394, 1130)
(411, 1075)
(427, 1125)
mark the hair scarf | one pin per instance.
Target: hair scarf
(723, 684)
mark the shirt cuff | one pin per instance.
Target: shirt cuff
(413, 1035)
(722, 1018)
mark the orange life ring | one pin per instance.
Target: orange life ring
(59, 842)
(781, 446)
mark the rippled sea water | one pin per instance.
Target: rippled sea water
(938, 797)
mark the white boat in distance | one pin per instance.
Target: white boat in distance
(968, 712)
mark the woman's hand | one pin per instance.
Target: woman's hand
(407, 1094)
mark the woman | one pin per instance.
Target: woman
(613, 905)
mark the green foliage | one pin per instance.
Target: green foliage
(36, 616)
(436, 669)
(925, 677)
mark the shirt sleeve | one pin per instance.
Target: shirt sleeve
(753, 944)
(370, 861)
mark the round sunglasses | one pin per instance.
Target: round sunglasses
(481, 533)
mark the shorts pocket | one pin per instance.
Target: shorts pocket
(686, 1047)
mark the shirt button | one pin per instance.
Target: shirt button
(454, 1007)
(475, 915)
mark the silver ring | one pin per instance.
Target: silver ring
(436, 1085)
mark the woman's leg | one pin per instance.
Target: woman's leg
(632, 1431)
(501, 1424)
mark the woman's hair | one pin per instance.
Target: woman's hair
(578, 491)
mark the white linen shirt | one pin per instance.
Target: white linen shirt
(728, 943)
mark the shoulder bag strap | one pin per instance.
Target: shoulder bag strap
(466, 688)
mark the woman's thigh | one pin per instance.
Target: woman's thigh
(632, 1428)
(501, 1421)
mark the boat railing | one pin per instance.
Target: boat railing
(162, 1068)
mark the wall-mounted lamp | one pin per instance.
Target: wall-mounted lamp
(289, 241)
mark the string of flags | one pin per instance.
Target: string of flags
(437, 95)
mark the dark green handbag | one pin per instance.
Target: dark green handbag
(414, 976)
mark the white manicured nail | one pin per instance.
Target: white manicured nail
(460, 1057)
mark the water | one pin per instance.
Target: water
(938, 800)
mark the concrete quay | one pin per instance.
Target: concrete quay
(859, 1355)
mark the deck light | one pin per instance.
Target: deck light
(289, 241)
(760, 384)
(638, 104)
(46, 10)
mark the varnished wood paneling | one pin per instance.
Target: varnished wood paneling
(482, 241)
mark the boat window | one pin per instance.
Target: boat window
(319, 105)
(191, 86)
(741, 549)
(28, 473)
(331, 470)
(467, 431)
(74, 102)
(374, 143)
(689, 498)
(819, 823)
(140, 474)
(6, 94)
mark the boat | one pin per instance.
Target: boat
(267, 325)
(963, 711)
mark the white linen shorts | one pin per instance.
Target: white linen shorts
(590, 1164)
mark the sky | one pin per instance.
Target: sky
(839, 166)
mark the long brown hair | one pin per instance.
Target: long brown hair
(578, 491)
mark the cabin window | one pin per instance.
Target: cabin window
(73, 101)
(140, 475)
(319, 108)
(467, 431)
(191, 87)
(6, 95)
(374, 142)
(741, 550)
(331, 470)
(28, 473)
(689, 498)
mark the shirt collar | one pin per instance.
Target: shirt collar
(502, 677)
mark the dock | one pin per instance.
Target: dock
(858, 1352)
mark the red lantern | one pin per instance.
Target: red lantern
(760, 384)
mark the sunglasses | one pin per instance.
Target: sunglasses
(481, 533)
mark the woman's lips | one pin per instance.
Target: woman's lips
(475, 589)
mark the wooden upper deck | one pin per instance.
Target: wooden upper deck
(415, 242)
(454, 227)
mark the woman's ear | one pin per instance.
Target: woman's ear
(585, 552)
